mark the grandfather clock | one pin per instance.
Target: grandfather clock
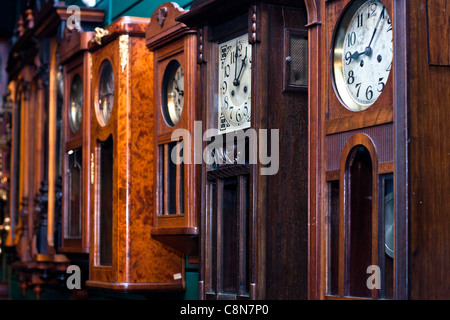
(253, 95)
(123, 256)
(384, 151)
(175, 72)
(76, 62)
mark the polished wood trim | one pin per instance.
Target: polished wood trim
(369, 118)
(189, 231)
(344, 222)
(52, 110)
(133, 287)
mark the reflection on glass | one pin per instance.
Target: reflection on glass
(105, 194)
(76, 103)
(73, 228)
(360, 222)
(105, 93)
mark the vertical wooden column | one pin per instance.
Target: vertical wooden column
(52, 108)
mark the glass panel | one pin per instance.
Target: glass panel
(245, 234)
(169, 181)
(360, 222)
(172, 189)
(230, 242)
(105, 193)
(387, 234)
(298, 48)
(74, 175)
(333, 237)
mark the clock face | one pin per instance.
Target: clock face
(235, 83)
(105, 93)
(76, 103)
(363, 53)
(173, 93)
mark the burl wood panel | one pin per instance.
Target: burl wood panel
(139, 262)
(429, 167)
(287, 196)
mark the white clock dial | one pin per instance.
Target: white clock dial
(175, 95)
(235, 82)
(363, 54)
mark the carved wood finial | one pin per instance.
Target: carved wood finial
(29, 18)
(67, 34)
(20, 26)
(99, 34)
(161, 16)
(38, 290)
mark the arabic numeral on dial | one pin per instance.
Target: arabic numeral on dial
(389, 67)
(381, 83)
(238, 115)
(369, 93)
(224, 87)
(227, 70)
(348, 58)
(358, 86)
(351, 77)
(372, 10)
(225, 103)
(351, 39)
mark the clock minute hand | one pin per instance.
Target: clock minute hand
(374, 32)
(236, 81)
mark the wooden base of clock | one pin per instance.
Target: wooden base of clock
(133, 287)
(182, 239)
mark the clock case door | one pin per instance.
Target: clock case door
(365, 138)
(123, 255)
(170, 41)
(76, 61)
(265, 263)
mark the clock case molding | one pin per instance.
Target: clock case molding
(271, 232)
(171, 40)
(138, 261)
(76, 61)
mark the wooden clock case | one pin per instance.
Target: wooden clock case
(170, 40)
(270, 253)
(136, 261)
(76, 61)
(34, 69)
(402, 135)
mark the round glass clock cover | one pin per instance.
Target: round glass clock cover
(105, 93)
(363, 53)
(76, 103)
(173, 93)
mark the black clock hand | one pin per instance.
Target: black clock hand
(236, 82)
(368, 50)
(180, 92)
(236, 55)
(374, 32)
(356, 54)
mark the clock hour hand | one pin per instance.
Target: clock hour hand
(356, 54)
(180, 92)
(236, 55)
(236, 81)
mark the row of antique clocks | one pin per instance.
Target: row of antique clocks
(98, 108)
